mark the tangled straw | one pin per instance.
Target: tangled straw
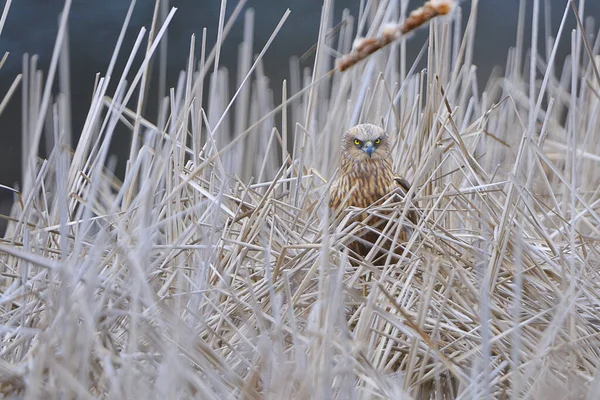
(363, 47)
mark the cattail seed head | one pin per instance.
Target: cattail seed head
(357, 43)
(443, 7)
(390, 30)
(363, 47)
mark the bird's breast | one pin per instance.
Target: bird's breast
(371, 181)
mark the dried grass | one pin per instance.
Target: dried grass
(212, 271)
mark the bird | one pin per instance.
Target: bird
(365, 176)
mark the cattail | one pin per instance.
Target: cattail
(363, 47)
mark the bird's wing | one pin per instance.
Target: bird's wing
(333, 192)
(403, 183)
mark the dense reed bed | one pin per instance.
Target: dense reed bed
(212, 269)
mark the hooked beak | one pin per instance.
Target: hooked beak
(368, 148)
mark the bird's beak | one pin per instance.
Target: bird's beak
(368, 148)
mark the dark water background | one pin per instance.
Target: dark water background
(94, 27)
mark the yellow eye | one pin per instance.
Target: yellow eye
(377, 141)
(357, 142)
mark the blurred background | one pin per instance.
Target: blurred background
(94, 27)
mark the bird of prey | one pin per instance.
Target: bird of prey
(365, 176)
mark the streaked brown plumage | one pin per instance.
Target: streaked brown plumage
(366, 166)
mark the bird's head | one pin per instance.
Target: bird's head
(366, 142)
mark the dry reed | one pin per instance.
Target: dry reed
(211, 269)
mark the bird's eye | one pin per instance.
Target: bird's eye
(357, 142)
(377, 141)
